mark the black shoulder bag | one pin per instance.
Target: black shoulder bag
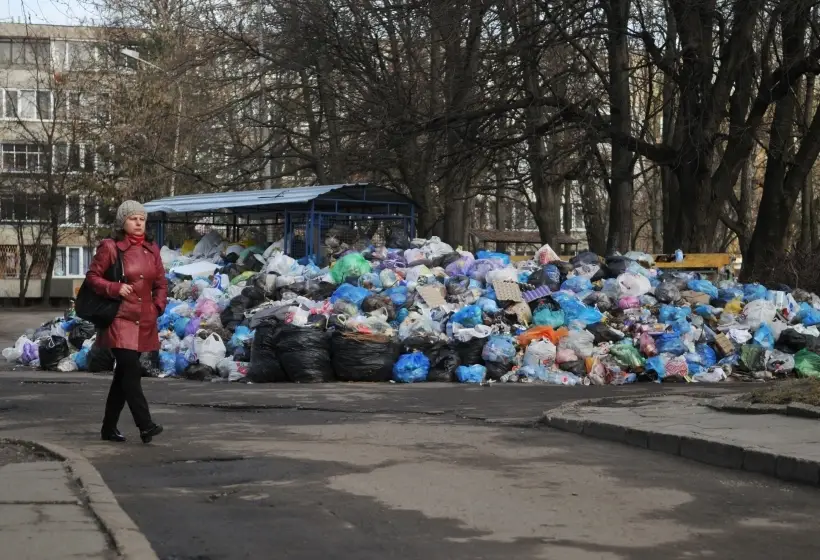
(98, 309)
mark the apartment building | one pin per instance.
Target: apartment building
(48, 155)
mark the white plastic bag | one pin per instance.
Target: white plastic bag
(633, 285)
(540, 353)
(465, 335)
(435, 248)
(508, 274)
(13, 354)
(280, 264)
(67, 365)
(208, 246)
(211, 350)
(758, 312)
(546, 255)
(581, 342)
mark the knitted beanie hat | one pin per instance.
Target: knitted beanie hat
(127, 209)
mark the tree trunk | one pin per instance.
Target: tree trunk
(620, 206)
(567, 204)
(780, 186)
(807, 223)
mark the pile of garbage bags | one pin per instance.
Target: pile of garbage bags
(421, 311)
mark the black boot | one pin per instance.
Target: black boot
(112, 435)
(148, 435)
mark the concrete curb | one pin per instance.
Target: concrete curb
(129, 541)
(697, 448)
(737, 405)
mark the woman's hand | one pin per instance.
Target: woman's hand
(126, 290)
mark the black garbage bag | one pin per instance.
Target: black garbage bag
(792, 342)
(548, 275)
(52, 350)
(242, 353)
(563, 267)
(604, 333)
(469, 353)
(363, 357)
(80, 332)
(495, 370)
(253, 296)
(150, 364)
(199, 372)
(615, 266)
(317, 291)
(264, 364)
(585, 257)
(667, 292)
(398, 239)
(100, 359)
(232, 315)
(304, 353)
(457, 285)
(578, 367)
(378, 301)
(449, 258)
(444, 361)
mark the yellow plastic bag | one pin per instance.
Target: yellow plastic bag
(188, 247)
(734, 307)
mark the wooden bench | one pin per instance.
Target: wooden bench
(711, 263)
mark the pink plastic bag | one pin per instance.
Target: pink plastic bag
(565, 355)
(647, 345)
(206, 306)
(629, 302)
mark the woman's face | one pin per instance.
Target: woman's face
(135, 225)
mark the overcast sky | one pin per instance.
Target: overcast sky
(56, 12)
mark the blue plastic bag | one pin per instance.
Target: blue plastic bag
(656, 364)
(402, 315)
(240, 335)
(469, 316)
(752, 292)
(168, 363)
(471, 374)
(670, 313)
(180, 324)
(680, 327)
(489, 255)
(575, 311)
(500, 349)
(81, 359)
(808, 315)
(397, 294)
(411, 368)
(728, 294)
(704, 287)
(544, 316)
(349, 293)
(552, 274)
(181, 363)
(765, 337)
(577, 284)
(370, 281)
(488, 306)
(523, 276)
(706, 311)
(670, 343)
(707, 355)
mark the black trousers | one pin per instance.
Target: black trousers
(126, 387)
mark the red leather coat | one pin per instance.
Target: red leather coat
(135, 327)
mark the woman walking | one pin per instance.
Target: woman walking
(144, 294)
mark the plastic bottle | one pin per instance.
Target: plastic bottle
(678, 255)
(562, 378)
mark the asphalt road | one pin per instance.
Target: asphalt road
(431, 472)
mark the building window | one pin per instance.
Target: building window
(27, 104)
(74, 209)
(25, 51)
(10, 97)
(72, 261)
(23, 157)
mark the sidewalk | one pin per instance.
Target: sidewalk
(782, 446)
(56, 506)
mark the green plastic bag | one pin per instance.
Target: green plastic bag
(545, 316)
(807, 364)
(627, 356)
(350, 265)
(752, 358)
(242, 277)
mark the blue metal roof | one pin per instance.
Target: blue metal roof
(239, 199)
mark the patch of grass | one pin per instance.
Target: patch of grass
(805, 391)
